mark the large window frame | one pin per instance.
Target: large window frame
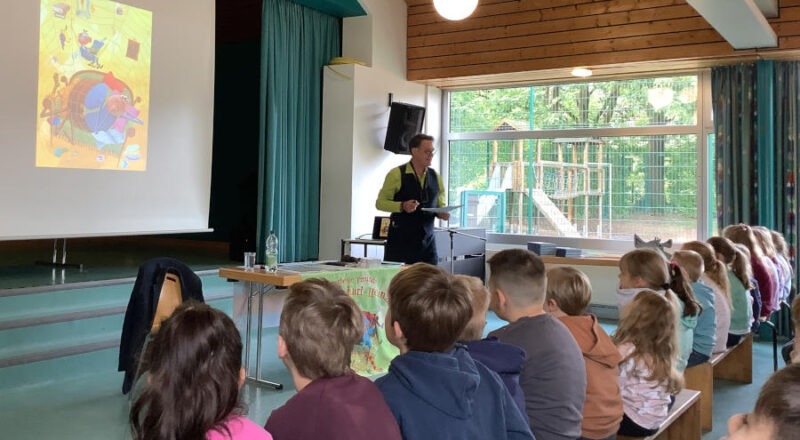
(703, 130)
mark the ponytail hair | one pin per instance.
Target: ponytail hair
(735, 258)
(714, 268)
(742, 269)
(683, 290)
(744, 235)
(764, 238)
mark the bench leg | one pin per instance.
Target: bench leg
(686, 427)
(738, 365)
(701, 378)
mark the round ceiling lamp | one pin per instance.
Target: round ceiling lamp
(455, 9)
(582, 72)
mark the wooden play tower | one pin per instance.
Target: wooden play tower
(565, 179)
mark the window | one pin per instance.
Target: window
(598, 160)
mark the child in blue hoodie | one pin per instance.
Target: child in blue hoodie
(434, 388)
(504, 359)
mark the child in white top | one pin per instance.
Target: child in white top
(194, 368)
(782, 256)
(646, 269)
(647, 342)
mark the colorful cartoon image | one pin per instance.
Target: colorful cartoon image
(94, 85)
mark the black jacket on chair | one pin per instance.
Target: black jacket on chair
(142, 308)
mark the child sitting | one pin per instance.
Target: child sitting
(646, 340)
(319, 326)
(504, 359)
(776, 413)
(715, 276)
(764, 238)
(553, 376)
(194, 373)
(739, 284)
(645, 269)
(765, 281)
(434, 388)
(782, 258)
(705, 334)
(569, 293)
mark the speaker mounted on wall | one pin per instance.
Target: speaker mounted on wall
(405, 121)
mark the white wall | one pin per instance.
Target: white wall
(355, 113)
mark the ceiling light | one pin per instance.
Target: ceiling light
(582, 72)
(455, 9)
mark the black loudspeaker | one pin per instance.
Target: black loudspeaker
(405, 121)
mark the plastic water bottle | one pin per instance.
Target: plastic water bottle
(272, 252)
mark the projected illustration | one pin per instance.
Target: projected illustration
(94, 85)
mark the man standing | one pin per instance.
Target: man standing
(406, 190)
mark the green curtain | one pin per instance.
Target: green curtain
(296, 43)
(756, 122)
(787, 125)
(734, 105)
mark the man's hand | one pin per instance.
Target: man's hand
(444, 216)
(410, 206)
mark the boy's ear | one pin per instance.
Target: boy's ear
(397, 330)
(282, 350)
(502, 299)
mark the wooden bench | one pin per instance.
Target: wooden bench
(735, 363)
(683, 421)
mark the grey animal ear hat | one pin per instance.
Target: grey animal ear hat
(655, 243)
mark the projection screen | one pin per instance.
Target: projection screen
(106, 120)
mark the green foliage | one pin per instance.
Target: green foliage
(650, 174)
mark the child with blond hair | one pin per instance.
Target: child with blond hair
(705, 334)
(767, 284)
(646, 269)
(319, 326)
(739, 285)
(434, 388)
(568, 295)
(764, 238)
(648, 380)
(782, 258)
(715, 276)
(504, 359)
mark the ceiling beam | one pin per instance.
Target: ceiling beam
(768, 7)
(740, 22)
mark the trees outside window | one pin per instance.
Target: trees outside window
(603, 159)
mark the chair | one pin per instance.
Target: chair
(161, 285)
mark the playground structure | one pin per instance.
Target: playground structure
(561, 190)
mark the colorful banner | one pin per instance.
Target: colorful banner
(369, 289)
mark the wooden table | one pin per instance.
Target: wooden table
(260, 282)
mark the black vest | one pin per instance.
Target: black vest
(411, 235)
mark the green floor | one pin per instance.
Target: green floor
(94, 408)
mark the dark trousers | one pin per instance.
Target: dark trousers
(697, 358)
(630, 428)
(733, 340)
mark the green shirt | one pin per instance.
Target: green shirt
(391, 185)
